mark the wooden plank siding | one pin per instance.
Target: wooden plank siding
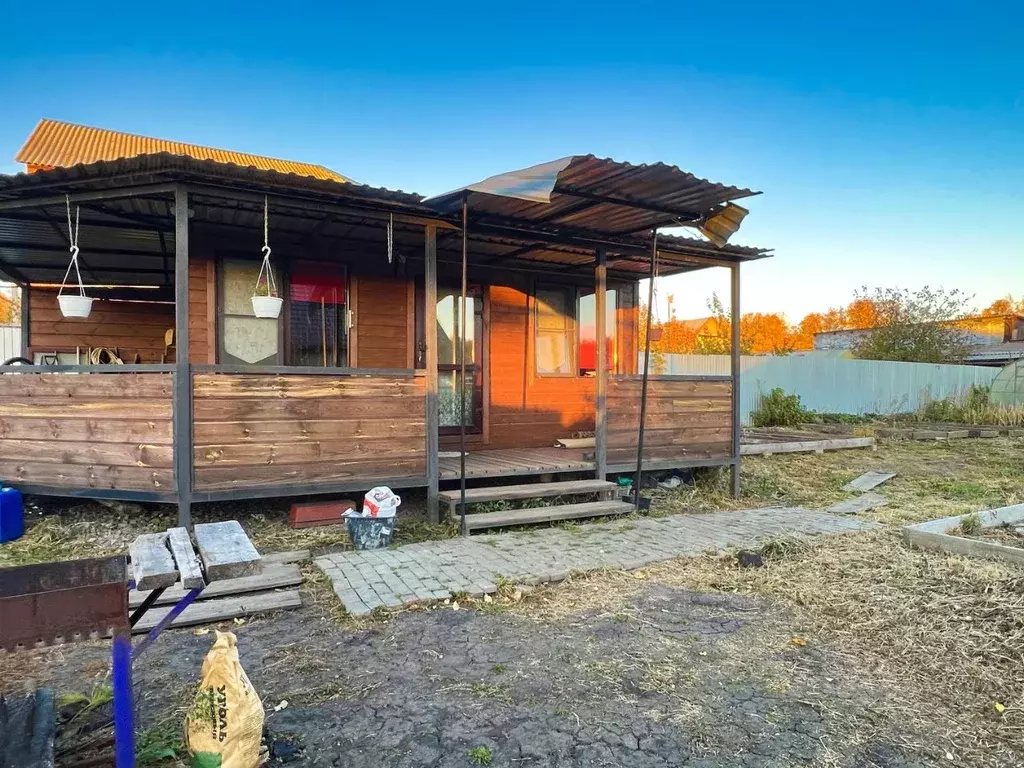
(385, 336)
(131, 327)
(687, 419)
(109, 431)
(527, 410)
(262, 430)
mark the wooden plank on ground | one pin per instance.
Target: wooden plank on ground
(861, 503)
(294, 556)
(152, 564)
(185, 558)
(808, 446)
(226, 551)
(224, 609)
(868, 480)
(273, 577)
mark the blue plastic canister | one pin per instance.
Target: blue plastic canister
(12, 515)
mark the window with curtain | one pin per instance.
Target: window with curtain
(243, 337)
(588, 332)
(316, 316)
(553, 337)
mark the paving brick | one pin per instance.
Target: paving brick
(433, 570)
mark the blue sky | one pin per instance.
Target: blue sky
(888, 141)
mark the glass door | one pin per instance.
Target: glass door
(449, 380)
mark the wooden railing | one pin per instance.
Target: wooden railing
(104, 430)
(689, 420)
(298, 430)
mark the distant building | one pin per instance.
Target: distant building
(993, 340)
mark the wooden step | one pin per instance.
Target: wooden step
(546, 514)
(526, 491)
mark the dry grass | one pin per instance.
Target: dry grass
(934, 479)
(60, 529)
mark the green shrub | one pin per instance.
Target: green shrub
(777, 409)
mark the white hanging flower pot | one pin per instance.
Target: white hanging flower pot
(267, 306)
(75, 306)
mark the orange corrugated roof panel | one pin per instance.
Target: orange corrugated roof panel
(56, 144)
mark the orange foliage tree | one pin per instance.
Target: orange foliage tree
(1004, 306)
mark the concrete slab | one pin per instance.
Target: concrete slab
(868, 480)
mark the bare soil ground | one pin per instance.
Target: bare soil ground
(842, 651)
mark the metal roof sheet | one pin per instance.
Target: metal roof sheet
(56, 144)
(598, 194)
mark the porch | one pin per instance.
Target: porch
(247, 415)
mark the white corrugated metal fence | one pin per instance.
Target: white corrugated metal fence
(829, 383)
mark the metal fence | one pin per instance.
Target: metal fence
(10, 341)
(829, 383)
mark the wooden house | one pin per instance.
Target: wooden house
(172, 390)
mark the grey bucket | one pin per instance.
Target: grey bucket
(370, 532)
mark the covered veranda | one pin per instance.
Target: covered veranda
(196, 430)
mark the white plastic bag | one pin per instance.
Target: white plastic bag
(380, 502)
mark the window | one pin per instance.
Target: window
(587, 355)
(554, 331)
(243, 337)
(316, 316)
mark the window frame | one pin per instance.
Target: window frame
(611, 330)
(571, 294)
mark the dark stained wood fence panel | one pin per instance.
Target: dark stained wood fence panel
(262, 430)
(109, 431)
(686, 419)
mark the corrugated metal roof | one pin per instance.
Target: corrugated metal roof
(56, 144)
(104, 174)
(599, 194)
(29, 242)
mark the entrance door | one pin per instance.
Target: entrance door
(449, 379)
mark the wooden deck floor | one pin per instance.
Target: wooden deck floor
(514, 461)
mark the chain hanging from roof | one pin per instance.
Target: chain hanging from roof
(73, 305)
(391, 238)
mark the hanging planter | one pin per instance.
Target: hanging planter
(268, 306)
(73, 305)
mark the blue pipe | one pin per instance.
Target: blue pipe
(124, 726)
(165, 622)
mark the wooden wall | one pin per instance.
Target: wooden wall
(132, 327)
(527, 410)
(687, 419)
(384, 333)
(87, 430)
(262, 430)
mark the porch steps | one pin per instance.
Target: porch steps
(525, 491)
(479, 521)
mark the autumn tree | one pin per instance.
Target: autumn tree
(1004, 306)
(917, 327)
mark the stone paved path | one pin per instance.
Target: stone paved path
(434, 570)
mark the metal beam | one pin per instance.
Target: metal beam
(14, 244)
(734, 360)
(430, 339)
(600, 333)
(79, 197)
(182, 373)
(638, 482)
(13, 274)
(372, 208)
